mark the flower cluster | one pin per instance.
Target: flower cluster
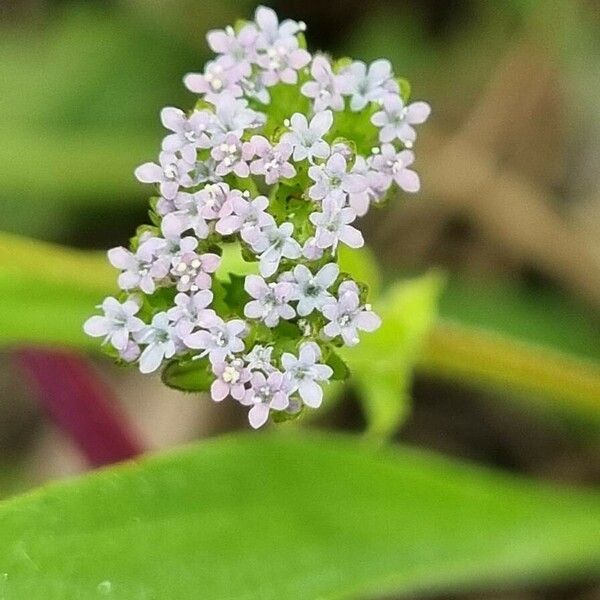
(281, 154)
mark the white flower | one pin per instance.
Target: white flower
(190, 311)
(304, 373)
(271, 32)
(394, 166)
(249, 218)
(193, 271)
(232, 155)
(333, 177)
(272, 161)
(307, 140)
(235, 49)
(187, 215)
(232, 376)
(219, 339)
(172, 173)
(396, 119)
(325, 88)
(270, 300)
(311, 290)
(264, 394)
(272, 244)
(282, 61)
(333, 225)
(216, 80)
(216, 200)
(377, 185)
(346, 317)
(232, 115)
(117, 324)
(140, 270)
(368, 85)
(189, 134)
(259, 358)
(161, 341)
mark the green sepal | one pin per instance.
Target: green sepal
(301, 40)
(161, 300)
(342, 63)
(341, 372)
(283, 416)
(155, 218)
(134, 242)
(404, 85)
(240, 24)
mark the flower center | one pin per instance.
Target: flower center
(171, 171)
(191, 136)
(264, 393)
(220, 339)
(231, 375)
(345, 320)
(312, 289)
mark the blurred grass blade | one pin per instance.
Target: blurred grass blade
(251, 517)
(47, 292)
(490, 359)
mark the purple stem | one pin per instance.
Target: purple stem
(81, 404)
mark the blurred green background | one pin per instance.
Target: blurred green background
(509, 210)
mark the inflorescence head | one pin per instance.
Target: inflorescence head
(281, 154)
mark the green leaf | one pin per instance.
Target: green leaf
(382, 364)
(260, 517)
(340, 369)
(188, 376)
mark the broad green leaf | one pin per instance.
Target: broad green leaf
(382, 364)
(302, 518)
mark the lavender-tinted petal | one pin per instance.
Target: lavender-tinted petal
(219, 390)
(97, 326)
(149, 173)
(258, 415)
(311, 393)
(367, 321)
(321, 123)
(172, 118)
(408, 180)
(418, 112)
(119, 339)
(151, 358)
(253, 309)
(169, 189)
(198, 341)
